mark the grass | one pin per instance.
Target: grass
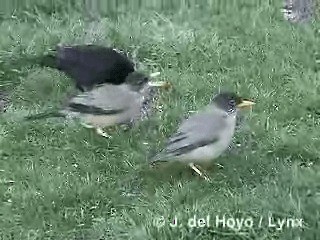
(61, 181)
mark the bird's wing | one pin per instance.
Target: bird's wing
(91, 109)
(90, 64)
(80, 62)
(104, 100)
(199, 130)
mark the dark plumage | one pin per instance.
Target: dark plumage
(90, 65)
(227, 101)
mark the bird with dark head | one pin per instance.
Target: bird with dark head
(108, 104)
(206, 134)
(137, 80)
(230, 102)
(89, 65)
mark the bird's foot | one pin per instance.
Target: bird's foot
(102, 133)
(232, 149)
(155, 74)
(99, 131)
(199, 172)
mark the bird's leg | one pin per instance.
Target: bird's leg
(99, 131)
(155, 74)
(87, 125)
(102, 133)
(203, 173)
(194, 168)
(129, 125)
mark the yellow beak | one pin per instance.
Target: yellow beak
(162, 84)
(165, 85)
(245, 103)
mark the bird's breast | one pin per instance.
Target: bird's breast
(214, 150)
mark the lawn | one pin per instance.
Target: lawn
(59, 180)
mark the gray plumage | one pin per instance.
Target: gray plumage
(107, 105)
(204, 135)
(298, 11)
(110, 104)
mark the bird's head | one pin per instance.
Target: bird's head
(229, 101)
(136, 81)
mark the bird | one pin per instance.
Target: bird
(205, 135)
(108, 104)
(88, 65)
(298, 11)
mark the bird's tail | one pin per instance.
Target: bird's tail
(48, 60)
(42, 115)
(157, 158)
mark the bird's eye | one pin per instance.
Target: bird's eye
(232, 102)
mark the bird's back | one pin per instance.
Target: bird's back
(90, 65)
(196, 134)
(115, 104)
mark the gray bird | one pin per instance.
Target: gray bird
(109, 104)
(205, 135)
(298, 11)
